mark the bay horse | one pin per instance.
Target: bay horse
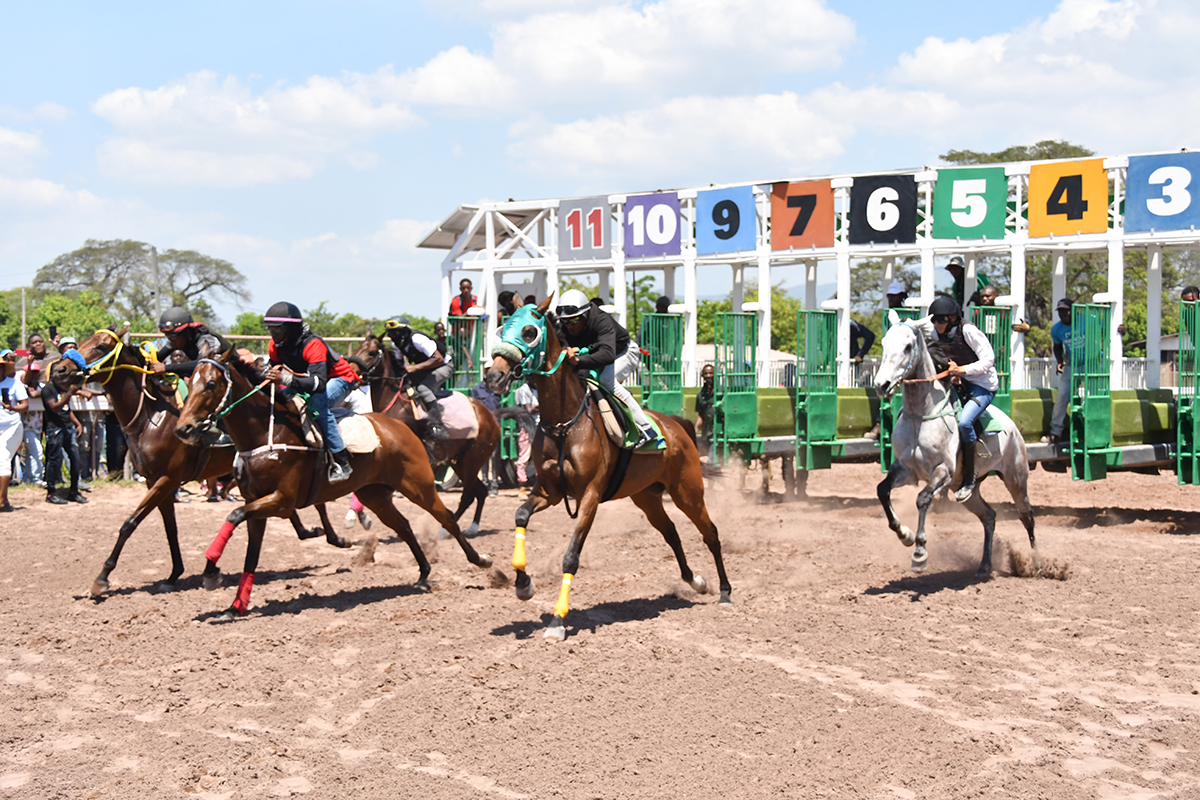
(148, 415)
(925, 443)
(278, 471)
(575, 459)
(466, 455)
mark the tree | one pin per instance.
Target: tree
(120, 272)
(783, 317)
(1042, 151)
(79, 316)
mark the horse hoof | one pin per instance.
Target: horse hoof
(906, 535)
(423, 586)
(483, 560)
(920, 561)
(699, 585)
(443, 533)
(556, 631)
(338, 541)
(166, 587)
(725, 599)
(351, 518)
(99, 587)
(524, 586)
(212, 582)
(228, 615)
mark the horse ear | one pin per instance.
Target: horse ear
(545, 304)
(893, 317)
(121, 333)
(228, 355)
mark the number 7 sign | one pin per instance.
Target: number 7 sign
(801, 215)
(970, 203)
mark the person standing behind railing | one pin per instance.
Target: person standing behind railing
(1061, 342)
(13, 401)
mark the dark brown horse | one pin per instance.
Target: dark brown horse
(148, 415)
(278, 471)
(575, 459)
(466, 455)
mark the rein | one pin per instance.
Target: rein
(112, 355)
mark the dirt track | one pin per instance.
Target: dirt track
(835, 674)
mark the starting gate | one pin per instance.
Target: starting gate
(465, 339)
(816, 393)
(1187, 431)
(735, 383)
(996, 322)
(661, 341)
(890, 411)
(1091, 404)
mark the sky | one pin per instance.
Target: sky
(314, 144)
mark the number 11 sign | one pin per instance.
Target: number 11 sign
(584, 229)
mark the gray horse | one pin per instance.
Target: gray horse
(925, 442)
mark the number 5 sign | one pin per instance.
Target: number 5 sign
(970, 203)
(1161, 192)
(652, 225)
(1068, 197)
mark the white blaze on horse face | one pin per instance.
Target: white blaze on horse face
(895, 361)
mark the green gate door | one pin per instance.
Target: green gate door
(889, 412)
(1187, 430)
(995, 322)
(661, 341)
(464, 339)
(735, 383)
(816, 390)
(1091, 402)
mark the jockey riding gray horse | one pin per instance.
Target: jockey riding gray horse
(926, 441)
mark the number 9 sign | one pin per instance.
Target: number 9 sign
(883, 209)
(725, 221)
(970, 203)
(1161, 192)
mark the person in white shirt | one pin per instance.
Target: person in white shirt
(14, 401)
(972, 359)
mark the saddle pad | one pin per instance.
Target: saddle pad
(359, 434)
(458, 415)
(992, 423)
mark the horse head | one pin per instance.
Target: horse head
(522, 346)
(369, 358)
(901, 350)
(95, 357)
(211, 387)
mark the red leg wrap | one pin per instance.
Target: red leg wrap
(242, 601)
(213, 553)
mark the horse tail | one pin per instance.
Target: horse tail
(687, 424)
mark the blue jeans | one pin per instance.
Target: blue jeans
(335, 390)
(980, 399)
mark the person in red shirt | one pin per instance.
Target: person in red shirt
(460, 304)
(301, 360)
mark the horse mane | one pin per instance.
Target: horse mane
(248, 371)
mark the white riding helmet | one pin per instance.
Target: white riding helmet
(573, 304)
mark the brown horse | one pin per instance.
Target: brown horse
(278, 471)
(466, 455)
(148, 415)
(575, 458)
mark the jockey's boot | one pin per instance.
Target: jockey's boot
(650, 440)
(967, 487)
(341, 469)
(435, 427)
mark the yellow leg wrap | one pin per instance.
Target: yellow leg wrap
(519, 551)
(560, 608)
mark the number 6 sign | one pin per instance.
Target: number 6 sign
(970, 203)
(1161, 192)
(883, 210)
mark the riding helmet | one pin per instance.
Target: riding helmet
(944, 305)
(573, 304)
(286, 315)
(175, 319)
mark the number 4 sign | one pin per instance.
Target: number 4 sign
(1068, 197)
(970, 203)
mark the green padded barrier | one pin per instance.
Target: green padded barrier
(857, 411)
(1143, 416)
(1031, 411)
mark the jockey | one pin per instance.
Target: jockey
(425, 367)
(972, 359)
(612, 353)
(187, 336)
(312, 368)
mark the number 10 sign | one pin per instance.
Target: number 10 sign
(652, 225)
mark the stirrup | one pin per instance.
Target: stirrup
(650, 440)
(965, 491)
(339, 472)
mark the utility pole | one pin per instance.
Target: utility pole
(157, 293)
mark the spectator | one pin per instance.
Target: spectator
(662, 305)
(33, 460)
(62, 431)
(115, 446)
(526, 397)
(896, 295)
(860, 333)
(509, 302)
(14, 401)
(464, 300)
(1190, 294)
(1061, 343)
(530, 300)
(704, 409)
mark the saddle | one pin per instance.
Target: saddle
(618, 418)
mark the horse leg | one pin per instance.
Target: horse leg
(167, 510)
(255, 528)
(467, 467)
(537, 501)
(265, 506)
(987, 515)
(688, 494)
(570, 565)
(898, 475)
(161, 492)
(938, 481)
(330, 537)
(302, 531)
(378, 498)
(1016, 479)
(650, 502)
(426, 497)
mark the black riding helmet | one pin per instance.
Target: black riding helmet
(286, 316)
(399, 329)
(944, 306)
(175, 320)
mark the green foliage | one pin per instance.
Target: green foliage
(783, 317)
(1042, 151)
(248, 323)
(79, 316)
(10, 319)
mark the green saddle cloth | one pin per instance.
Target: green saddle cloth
(632, 432)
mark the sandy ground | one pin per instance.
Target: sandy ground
(836, 673)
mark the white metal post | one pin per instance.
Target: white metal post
(691, 375)
(1154, 316)
(1116, 289)
(1058, 278)
(764, 292)
(489, 270)
(552, 263)
(618, 298)
(970, 278)
(889, 275)
(810, 284)
(739, 289)
(1017, 342)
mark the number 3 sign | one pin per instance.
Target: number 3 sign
(1161, 192)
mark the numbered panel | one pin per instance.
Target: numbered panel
(970, 203)
(725, 221)
(584, 229)
(883, 210)
(1161, 192)
(652, 225)
(801, 215)
(1068, 198)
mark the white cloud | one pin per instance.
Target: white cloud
(202, 131)
(1114, 20)
(19, 149)
(455, 77)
